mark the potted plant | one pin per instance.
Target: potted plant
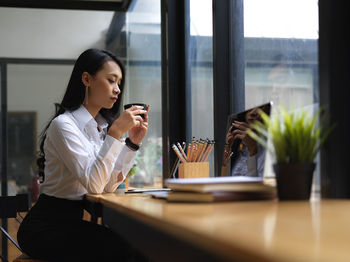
(296, 139)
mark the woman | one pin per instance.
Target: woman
(245, 155)
(82, 152)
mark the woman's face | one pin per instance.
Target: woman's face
(252, 115)
(103, 87)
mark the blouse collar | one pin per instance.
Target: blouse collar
(83, 118)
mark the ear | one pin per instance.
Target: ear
(86, 78)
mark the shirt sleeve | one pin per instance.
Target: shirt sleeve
(124, 163)
(92, 171)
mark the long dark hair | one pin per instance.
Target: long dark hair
(91, 61)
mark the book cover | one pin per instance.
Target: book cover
(216, 184)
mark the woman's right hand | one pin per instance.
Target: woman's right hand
(128, 119)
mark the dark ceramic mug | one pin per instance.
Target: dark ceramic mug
(136, 104)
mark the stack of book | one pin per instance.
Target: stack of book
(212, 189)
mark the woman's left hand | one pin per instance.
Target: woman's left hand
(137, 133)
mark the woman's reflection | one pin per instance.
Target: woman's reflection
(242, 154)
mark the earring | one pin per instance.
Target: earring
(86, 95)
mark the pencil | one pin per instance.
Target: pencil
(189, 149)
(211, 146)
(195, 152)
(201, 158)
(182, 151)
(200, 150)
(178, 153)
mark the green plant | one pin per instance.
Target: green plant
(132, 171)
(296, 137)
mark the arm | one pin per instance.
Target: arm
(93, 172)
(122, 167)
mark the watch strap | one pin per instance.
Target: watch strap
(131, 144)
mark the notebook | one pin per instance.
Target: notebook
(219, 184)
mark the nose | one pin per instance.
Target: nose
(116, 90)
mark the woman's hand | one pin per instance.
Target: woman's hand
(138, 132)
(241, 133)
(128, 120)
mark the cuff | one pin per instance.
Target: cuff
(110, 149)
(125, 160)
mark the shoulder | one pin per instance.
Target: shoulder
(63, 122)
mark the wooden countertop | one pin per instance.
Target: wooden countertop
(248, 230)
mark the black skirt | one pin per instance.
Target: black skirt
(53, 230)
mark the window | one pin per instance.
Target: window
(143, 63)
(201, 71)
(39, 47)
(281, 54)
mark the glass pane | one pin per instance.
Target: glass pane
(143, 60)
(64, 34)
(281, 54)
(201, 57)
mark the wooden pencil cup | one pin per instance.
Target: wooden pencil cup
(194, 169)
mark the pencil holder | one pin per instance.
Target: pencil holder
(194, 169)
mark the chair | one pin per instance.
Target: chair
(9, 207)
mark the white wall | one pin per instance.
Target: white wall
(37, 88)
(45, 33)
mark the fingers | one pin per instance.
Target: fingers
(241, 125)
(239, 134)
(138, 110)
(146, 115)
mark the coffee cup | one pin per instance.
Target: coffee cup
(136, 104)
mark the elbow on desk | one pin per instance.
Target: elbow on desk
(93, 188)
(96, 192)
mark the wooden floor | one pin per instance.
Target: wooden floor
(13, 226)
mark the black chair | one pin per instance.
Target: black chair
(9, 207)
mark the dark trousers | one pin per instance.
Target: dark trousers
(53, 230)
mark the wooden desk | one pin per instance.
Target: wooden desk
(234, 231)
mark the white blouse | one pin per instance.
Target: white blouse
(81, 158)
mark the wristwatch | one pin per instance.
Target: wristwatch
(131, 144)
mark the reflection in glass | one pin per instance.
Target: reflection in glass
(242, 155)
